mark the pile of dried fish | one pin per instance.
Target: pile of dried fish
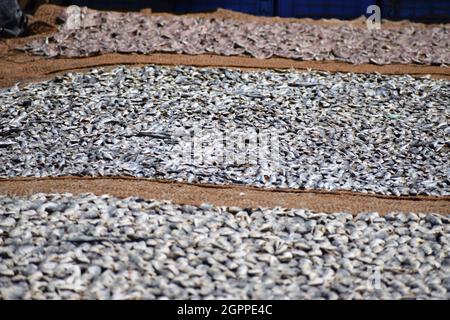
(100, 247)
(88, 32)
(360, 132)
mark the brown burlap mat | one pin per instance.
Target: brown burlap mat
(244, 197)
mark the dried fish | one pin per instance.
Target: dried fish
(88, 32)
(304, 130)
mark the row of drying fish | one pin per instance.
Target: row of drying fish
(64, 246)
(88, 32)
(360, 132)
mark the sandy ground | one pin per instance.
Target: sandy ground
(244, 197)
